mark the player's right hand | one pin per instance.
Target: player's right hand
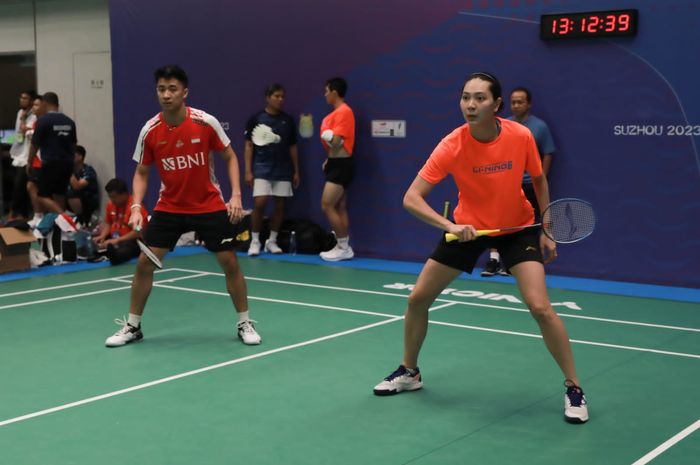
(465, 232)
(136, 220)
(249, 179)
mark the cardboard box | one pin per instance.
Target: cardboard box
(14, 249)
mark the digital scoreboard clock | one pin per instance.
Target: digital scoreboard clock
(614, 23)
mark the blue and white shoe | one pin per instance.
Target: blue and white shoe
(575, 406)
(400, 380)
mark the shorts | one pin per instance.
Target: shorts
(518, 247)
(33, 175)
(340, 170)
(214, 229)
(265, 187)
(54, 177)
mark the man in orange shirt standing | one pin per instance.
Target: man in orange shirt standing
(485, 156)
(338, 139)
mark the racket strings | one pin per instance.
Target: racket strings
(569, 220)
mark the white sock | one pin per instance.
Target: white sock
(494, 256)
(243, 316)
(344, 242)
(134, 320)
(273, 236)
(256, 237)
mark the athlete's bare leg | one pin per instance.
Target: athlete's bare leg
(277, 214)
(531, 282)
(235, 281)
(142, 283)
(432, 280)
(256, 218)
(334, 207)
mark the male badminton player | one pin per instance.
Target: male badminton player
(338, 139)
(486, 156)
(179, 141)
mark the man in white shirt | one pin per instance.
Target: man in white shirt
(19, 153)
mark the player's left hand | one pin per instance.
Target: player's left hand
(296, 180)
(549, 249)
(234, 209)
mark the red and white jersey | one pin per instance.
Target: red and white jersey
(183, 156)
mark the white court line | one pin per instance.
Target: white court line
(83, 283)
(85, 294)
(573, 341)
(193, 372)
(668, 444)
(455, 325)
(472, 304)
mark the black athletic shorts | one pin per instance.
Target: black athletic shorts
(518, 247)
(340, 170)
(214, 229)
(54, 177)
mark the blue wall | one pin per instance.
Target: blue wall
(407, 60)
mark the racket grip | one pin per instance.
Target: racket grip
(449, 237)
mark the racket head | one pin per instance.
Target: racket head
(568, 220)
(149, 254)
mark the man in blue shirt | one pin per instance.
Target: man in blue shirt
(55, 136)
(83, 193)
(271, 170)
(520, 103)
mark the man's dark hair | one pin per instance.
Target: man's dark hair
(31, 93)
(116, 186)
(80, 150)
(528, 94)
(38, 97)
(272, 88)
(171, 72)
(51, 98)
(339, 85)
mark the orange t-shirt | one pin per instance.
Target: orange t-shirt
(488, 175)
(342, 122)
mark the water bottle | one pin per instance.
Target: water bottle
(293, 243)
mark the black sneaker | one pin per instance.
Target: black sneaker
(502, 270)
(490, 269)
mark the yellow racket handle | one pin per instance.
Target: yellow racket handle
(449, 237)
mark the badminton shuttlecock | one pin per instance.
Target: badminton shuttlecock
(262, 135)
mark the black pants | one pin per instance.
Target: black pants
(20, 196)
(122, 252)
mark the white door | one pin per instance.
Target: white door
(93, 113)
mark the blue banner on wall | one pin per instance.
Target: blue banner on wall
(627, 137)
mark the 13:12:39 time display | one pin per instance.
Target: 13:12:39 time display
(589, 24)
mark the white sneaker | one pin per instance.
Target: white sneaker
(125, 335)
(34, 222)
(254, 249)
(247, 333)
(272, 247)
(575, 406)
(336, 254)
(400, 380)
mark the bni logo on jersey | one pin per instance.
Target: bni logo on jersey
(183, 162)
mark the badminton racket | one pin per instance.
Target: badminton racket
(262, 135)
(148, 252)
(564, 221)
